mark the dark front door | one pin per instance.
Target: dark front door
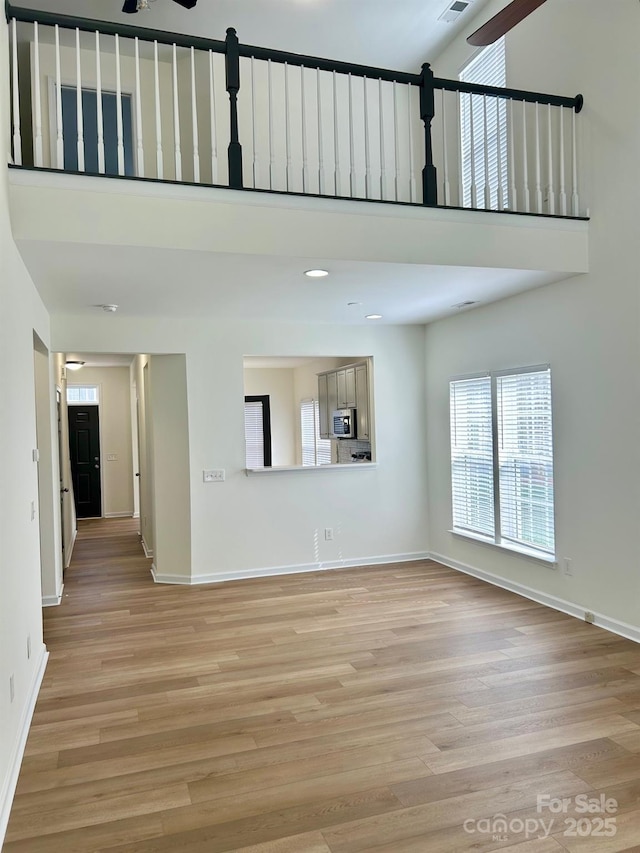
(84, 449)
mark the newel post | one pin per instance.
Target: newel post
(427, 112)
(232, 63)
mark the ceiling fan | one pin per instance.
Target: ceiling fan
(131, 6)
(504, 21)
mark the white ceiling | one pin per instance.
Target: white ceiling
(397, 34)
(98, 360)
(78, 278)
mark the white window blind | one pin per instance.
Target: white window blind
(472, 455)
(315, 450)
(502, 481)
(254, 434)
(525, 456)
(489, 69)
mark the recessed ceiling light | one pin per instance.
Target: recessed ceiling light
(73, 364)
(109, 308)
(373, 317)
(316, 273)
(465, 304)
(354, 303)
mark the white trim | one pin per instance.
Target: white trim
(506, 545)
(270, 571)
(622, 629)
(67, 556)
(53, 600)
(279, 469)
(136, 515)
(11, 778)
(126, 514)
(147, 551)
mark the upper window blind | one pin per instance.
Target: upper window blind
(254, 434)
(484, 150)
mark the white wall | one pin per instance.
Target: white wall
(140, 374)
(277, 382)
(247, 524)
(20, 606)
(586, 328)
(115, 435)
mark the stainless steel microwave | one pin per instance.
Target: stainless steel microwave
(343, 423)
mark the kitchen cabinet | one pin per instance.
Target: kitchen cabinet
(345, 388)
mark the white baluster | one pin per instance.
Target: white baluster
(396, 147)
(303, 113)
(446, 185)
(337, 177)
(287, 128)
(485, 146)
(99, 111)
(563, 189)
(575, 199)
(272, 160)
(194, 120)
(367, 147)
(17, 137)
(513, 191)
(59, 126)
(412, 174)
(139, 143)
(321, 174)
(538, 177)
(212, 113)
(159, 154)
(352, 153)
(79, 110)
(459, 97)
(499, 106)
(474, 186)
(254, 138)
(383, 159)
(525, 161)
(550, 191)
(176, 117)
(119, 118)
(38, 157)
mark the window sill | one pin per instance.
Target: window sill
(547, 559)
(304, 468)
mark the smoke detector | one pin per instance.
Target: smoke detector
(110, 309)
(454, 10)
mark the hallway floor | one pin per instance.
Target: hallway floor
(387, 709)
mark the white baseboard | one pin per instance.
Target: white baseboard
(127, 514)
(147, 551)
(52, 600)
(11, 778)
(622, 629)
(271, 571)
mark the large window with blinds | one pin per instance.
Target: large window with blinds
(315, 450)
(483, 129)
(502, 459)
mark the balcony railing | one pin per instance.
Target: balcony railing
(105, 99)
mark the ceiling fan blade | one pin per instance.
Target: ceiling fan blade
(131, 6)
(504, 21)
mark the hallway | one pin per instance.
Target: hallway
(375, 708)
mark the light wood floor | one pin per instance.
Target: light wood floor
(371, 709)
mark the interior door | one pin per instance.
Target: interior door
(84, 449)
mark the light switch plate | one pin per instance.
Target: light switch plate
(215, 475)
(112, 457)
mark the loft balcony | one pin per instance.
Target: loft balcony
(99, 99)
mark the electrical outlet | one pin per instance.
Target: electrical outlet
(215, 475)
(12, 691)
(328, 534)
(589, 617)
(29, 647)
(568, 566)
